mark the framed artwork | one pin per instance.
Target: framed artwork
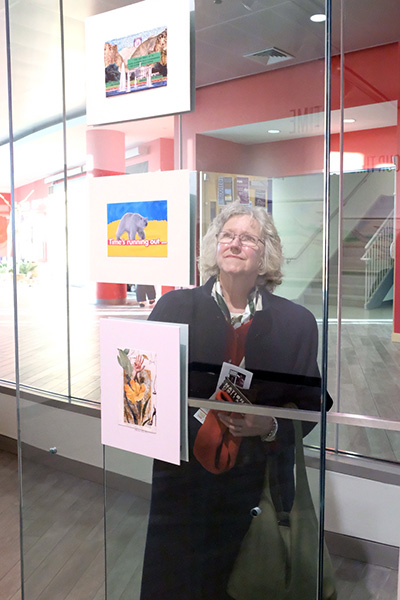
(144, 387)
(129, 233)
(142, 228)
(138, 61)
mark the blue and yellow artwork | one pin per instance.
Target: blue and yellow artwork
(137, 228)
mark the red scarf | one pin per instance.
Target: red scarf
(215, 447)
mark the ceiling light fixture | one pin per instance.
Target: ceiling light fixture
(274, 130)
(318, 18)
(349, 120)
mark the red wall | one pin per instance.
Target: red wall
(292, 157)
(286, 93)
(166, 154)
(160, 155)
(370, 77)
(213, 154)
(5, 201)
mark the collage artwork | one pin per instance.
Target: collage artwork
(136, 62)
(139, 385)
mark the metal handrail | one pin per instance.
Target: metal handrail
(377, 258)
(299, 415)
(376, 234)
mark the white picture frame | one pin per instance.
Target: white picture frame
(111, 38)
(174, 264)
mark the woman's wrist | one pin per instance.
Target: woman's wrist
(271, 434)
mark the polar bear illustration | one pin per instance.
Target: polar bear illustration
(132, 224)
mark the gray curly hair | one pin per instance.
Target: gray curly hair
(269, 274)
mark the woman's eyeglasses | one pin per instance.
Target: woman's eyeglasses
(246, 239)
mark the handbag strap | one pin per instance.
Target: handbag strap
(302, 496)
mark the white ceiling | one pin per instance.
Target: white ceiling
(224, 34)
(372, 116)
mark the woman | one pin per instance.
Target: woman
(198, 518)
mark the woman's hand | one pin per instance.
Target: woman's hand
(246, 425)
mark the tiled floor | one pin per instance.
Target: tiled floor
(63, 533)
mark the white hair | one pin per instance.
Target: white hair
(269, 274)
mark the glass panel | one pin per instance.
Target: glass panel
(85, 368)
(255, 136)
(363, 352)
(128, 486)
(63, 508)
(197, 523)
(63, 503)
(7, 363)
(364, 550)
(42, 301)
(39, 217)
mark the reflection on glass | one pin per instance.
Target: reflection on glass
(41, 289)
(366, 548)
(202, 510)
(7, 367)
(62, 512)
(256, 136)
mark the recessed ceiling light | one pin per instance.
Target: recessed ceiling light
(274, 130)
(349, 120)
(318, 18)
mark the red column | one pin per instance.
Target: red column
(166, 288)
(106, 153)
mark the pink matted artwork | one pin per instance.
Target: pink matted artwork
(141, 384)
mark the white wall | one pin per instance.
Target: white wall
(76, 436)
(359, 507)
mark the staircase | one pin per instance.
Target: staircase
(379, 264)
(367, 267)
(367, 200)
(353, 278)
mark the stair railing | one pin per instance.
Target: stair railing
(377, 256)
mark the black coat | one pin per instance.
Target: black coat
(197, 519)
